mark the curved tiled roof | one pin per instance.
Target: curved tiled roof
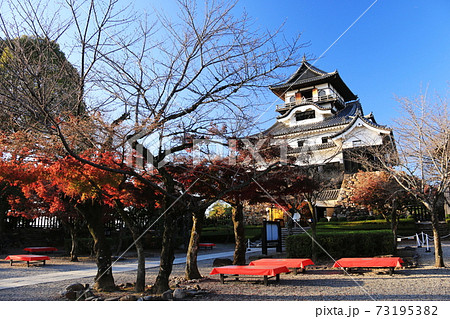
(302, 71)
(300, 80)
(343, 117)
(320, 107)
(365, 120)
(307, 75)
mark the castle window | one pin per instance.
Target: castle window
(300, 143)
(357, 143)
(292, 99)
(325, 139)
(305, 115)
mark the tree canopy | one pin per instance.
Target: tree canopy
(37, 84)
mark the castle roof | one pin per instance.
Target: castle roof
(309, 75)
(343, 117)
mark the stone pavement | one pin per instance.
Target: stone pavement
(92, 271)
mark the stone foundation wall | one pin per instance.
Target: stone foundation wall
(254, 214)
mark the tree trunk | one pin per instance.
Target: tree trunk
(122, 233)
(138, 242)
(192, 271)
(74, 249)
(313, 241)
(239, 235)
(168, 238)
(394, 225)
(438, 255)
(313, 224)
(3, 210)
(167, 255)
(2, 222)
(140, 277)
(93, 215)
(73, 238)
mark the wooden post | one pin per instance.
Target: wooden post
(279, 244)
(264, 238)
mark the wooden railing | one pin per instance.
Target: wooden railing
(303, 100)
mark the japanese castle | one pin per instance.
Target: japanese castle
(322, 121)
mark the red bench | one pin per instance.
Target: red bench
(206, 245)
(291, 263)
(27, 258)
(265, 271)
(40, 249)
(376, 262)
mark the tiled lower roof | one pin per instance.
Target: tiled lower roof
(345, 116)
(329, 194)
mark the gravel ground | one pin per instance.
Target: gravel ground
(422, 283)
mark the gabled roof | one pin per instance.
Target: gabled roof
(343, 117)
(364, 119)
(306, 71)
(309, 75)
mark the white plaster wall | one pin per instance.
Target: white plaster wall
(332, 155)
(361, 132)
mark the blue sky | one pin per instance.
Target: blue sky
(398, 47)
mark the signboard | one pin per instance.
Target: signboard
(272, 232)
(271, 236)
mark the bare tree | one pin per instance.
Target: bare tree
(156, 83)
(422, 167)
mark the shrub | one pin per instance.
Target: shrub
(407, 227)
(334, 219)
(323, 220)
(225, 234)
(342, 244)
(342, 219)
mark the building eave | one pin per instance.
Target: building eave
(279, 117)
(380, 128)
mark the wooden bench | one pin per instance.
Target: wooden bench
(377, 262)
(206, 245)
(265, 271)
(292, 263)
(28, 258)
(40, 249)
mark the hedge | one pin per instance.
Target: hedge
(342, 244)
(225, 234)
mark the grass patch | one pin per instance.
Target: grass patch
(406, 227)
